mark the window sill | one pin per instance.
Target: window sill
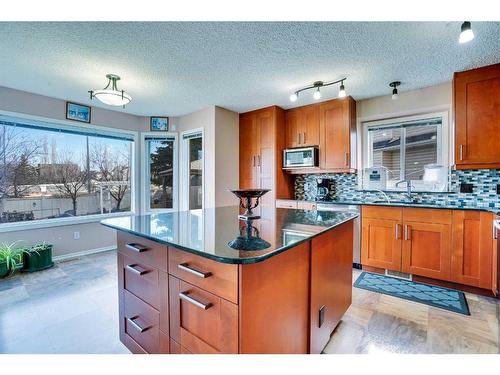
(49, 223)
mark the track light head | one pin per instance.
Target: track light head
(394, 85)
(466, 33)
(342, 93)
(294, 97)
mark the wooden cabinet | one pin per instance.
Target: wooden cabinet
(477, 120)
(337, 119)
(381, 232)
(262, 139)
(331, 283)
(472, 258)
(202, 322)
(302, 126)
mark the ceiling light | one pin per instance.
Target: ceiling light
(317, 93)
(466, 34)
(342, 93)
(110, 95)
(394, 85)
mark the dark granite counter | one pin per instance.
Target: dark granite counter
(208, 232)
(495, 210)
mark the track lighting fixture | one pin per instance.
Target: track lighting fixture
(394, 86)
(317, 93)
(466, 33)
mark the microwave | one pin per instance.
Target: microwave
(303, 157)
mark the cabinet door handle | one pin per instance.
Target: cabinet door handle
(495, 232)
(253, 161)
(136, 247)
(398, 231)
(138, 270)
(461, 152)
(258, 160)
(136, 325)
(407, 233)
(304, 136)
(201, 305)
(346, 159)
(185, 267)
(300, 138)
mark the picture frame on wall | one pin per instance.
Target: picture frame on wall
(78, 112)
(159, 123)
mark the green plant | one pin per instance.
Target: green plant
(40, 247)
(11, 255)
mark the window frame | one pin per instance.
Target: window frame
(51, 123)
(443, 143)
(145, 209)
(184, 160)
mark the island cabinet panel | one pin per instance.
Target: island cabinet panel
(331, 283)
(337, 119)
(477, 107)
(472, 248)
(381, 237)
(146, 252)
(218, 278)
(202, 322)
(274, 303)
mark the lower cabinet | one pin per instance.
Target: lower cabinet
(448, 245)
(202, 322)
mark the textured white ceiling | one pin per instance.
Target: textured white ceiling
(175, 68)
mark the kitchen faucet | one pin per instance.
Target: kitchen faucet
(408, 188)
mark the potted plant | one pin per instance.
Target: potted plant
(11, 258)
(38, 257)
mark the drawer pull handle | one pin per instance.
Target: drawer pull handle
(137, 269)
(185, 267)
(136, 325)
(136, 247)
(201, 305)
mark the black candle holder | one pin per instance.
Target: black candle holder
(249, 199)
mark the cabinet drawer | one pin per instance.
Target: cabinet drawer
(147, 252)
(427, 215)
(380, 212)
(281, 203)
(201, 322)
(142, 322)
(218, 278)
(142, 280)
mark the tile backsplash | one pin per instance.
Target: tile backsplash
(484, 193)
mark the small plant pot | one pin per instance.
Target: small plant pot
(4, 271)
(37, 259)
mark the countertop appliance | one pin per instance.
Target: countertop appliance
(325, 189)
(303, 157)
(356, 251)
(375, 178)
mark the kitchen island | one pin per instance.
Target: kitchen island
(203, 281)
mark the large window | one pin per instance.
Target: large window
(409, 149)
(160, 176)
(50, 171)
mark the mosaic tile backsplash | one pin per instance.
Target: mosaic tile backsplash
(484, 193)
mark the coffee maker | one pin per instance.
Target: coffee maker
(325, 189)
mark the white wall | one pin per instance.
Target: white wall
(92, 235)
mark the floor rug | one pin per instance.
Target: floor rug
(436, 296)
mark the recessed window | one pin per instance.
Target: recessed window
(411, 150)
(193, 144)
(52, 171)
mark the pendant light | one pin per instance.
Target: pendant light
(342, 93)
(394, 85)
(466, 33)
(317, 94)
(110, 95)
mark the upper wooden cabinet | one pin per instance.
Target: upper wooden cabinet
(337, 121)
(262, 139)
(477, 118)
(302, 126)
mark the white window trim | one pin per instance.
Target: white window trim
(49, 223)
(144, 171)
(443, 148)
(184, 152)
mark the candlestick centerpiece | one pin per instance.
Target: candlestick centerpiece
(249, 199)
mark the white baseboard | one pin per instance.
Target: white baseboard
(59, 258)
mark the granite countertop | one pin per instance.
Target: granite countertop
(208, 232)
(495, 210)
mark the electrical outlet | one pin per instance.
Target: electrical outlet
(498, 188)
(76, 235)
(466, 188)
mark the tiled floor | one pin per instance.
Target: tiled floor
(73, 308)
